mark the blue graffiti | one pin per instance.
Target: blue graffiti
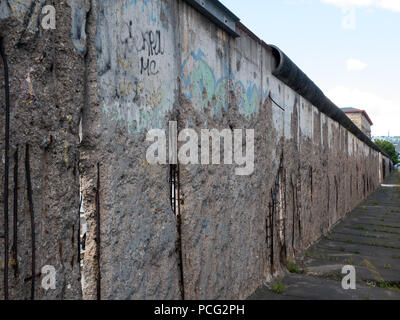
(201, 83)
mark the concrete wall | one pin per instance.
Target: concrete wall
(46, 73)
(134, 65)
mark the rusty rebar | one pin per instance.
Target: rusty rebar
(32, 215)
(15, 219)
(179, 223)
(79, 230)
(6, 163)
(175, 186)
(98, 233)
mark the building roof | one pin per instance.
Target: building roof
(350, 109)
(355, 110)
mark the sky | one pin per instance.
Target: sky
(349, 48)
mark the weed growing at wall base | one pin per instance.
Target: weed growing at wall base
(189, 152)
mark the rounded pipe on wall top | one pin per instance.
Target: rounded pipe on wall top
(290, 74)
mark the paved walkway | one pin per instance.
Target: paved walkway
(368, 238)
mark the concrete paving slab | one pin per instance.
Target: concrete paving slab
(368, 238)
(316, 288)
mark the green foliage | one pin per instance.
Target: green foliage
(294, 267)
(389, 148)
(278, 287)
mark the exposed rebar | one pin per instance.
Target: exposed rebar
(15, 218)
(32, 215)
(175, 206)
(179, 221)
(6, 163)
(79, 230)
(98, 239)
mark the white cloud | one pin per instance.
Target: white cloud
(393, 5)
(355, 65)
(351, 3)
(384, 113)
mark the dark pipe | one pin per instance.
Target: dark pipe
(290, 74)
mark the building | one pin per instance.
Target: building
(360, 119)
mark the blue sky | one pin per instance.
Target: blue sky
(349, 48)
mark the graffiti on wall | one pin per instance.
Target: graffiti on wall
(140, 89)
(135, 92)
(151, 48)
(19, 8)
(200, 83)
(28, 12)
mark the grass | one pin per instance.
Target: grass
(388, 266)
(349, 261)
(331, 276)
(333, 259)
(385, 285)
(374, 244)
(278, 287)
(388, 226)
(386, 231)
(371, 244)
(313, 255)
(294, 267)
(367, 235)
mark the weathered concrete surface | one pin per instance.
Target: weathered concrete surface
(369, 239)
(138, 234)
(232, 230)
(151, 62)
(46, 87)
(125, 67)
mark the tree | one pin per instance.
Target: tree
(389, 148)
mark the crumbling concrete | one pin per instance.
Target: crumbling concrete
(46, 87)
(125, 67)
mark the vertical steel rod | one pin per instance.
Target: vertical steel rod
(32, 215)
(6, 164)
(15, 220)
(98, 234)
(179, 218)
